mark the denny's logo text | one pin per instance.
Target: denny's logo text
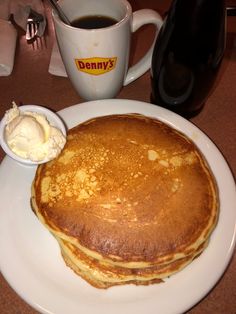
(96, 66)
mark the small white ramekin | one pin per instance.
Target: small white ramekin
(53, 119)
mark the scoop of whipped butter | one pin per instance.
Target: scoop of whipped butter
(30, 135)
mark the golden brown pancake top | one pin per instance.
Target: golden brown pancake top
(130, 188)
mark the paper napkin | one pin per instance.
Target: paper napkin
(8, 36)
(19, 10)
(56, 65)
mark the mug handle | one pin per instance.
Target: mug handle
(140, 18)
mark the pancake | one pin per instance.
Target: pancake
(130, 192)
(104, 275)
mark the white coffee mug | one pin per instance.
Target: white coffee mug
(96, 60)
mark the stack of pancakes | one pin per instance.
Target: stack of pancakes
(129, 200)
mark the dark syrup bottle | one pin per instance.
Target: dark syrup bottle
(187, 55)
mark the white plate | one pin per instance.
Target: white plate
(31, 262)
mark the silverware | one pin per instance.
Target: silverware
(33, 21)
(59, 11)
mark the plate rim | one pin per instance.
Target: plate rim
(166, 115)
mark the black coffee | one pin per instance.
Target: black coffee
(93, 21)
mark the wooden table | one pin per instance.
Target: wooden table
(30, 83)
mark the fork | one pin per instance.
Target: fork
(33, 21)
